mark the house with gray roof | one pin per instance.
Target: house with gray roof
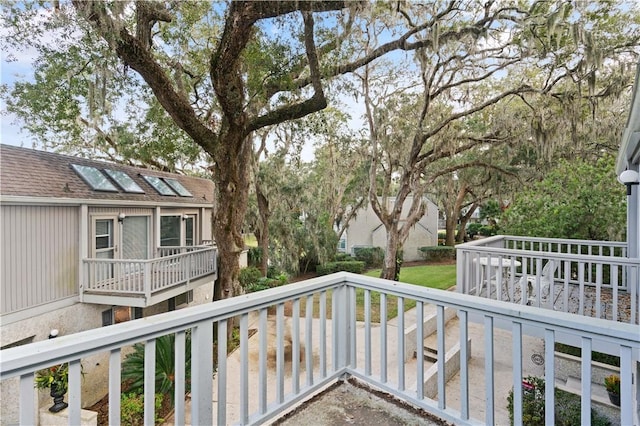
(86, 244)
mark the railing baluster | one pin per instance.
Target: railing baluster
(202, 372)
(488, 371)
(626, 385)
(581, 266)
(279, 353)
(442, 379)
(598, 290)
(585, 378)
(115, 386)
(464, 365)
(549, 375)
(244, 367)
(383, 337)
(75, 392)
(295, 352)
(420, 350)
(516, 356)
(262, 361)
(180, 376)
(27, 398)
(400, 351)
(149, 381)
(308, 335)
(323, 334)
(221, 373)
(353, 351)
(367, 332)
(614, 292)
(567, 277)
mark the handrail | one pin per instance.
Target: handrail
(24, 361)
(146, 276)
(590, 275)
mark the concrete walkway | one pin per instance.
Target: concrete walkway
(533, 364)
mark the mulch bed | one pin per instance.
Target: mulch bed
(102, 408)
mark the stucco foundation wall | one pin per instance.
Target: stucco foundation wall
(66, 321)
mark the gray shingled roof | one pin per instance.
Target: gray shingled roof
(31, 173)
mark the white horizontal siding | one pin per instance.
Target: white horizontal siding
(39, 255)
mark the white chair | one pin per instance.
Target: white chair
(546, 278)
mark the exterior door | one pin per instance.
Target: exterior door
(104, 247)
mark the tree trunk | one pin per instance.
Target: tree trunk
(462, 232)
(264, 213)
(451, 222)
(232, 186)
(390, 268)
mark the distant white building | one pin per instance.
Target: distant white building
(366, 230)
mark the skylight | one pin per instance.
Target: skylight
(178, 187)
(159, 185)
(124, 181)
(94, 178)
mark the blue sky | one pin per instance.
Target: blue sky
(14, 64)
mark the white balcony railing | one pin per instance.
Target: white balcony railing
(591, 278)
(329, 336)
(144, 277)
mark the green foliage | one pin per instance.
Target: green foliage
(612, 384)
(251, 279)
(578, 200)
(532, 402)
(350, 266)
(567, 408)
(490, 211)
(343, 257)
(254, 256)
(57, 375)
(473, 229)
(132, 409)
(133, 366)
(249, 276)
(371, 256)
(487, 230)
(438, 252)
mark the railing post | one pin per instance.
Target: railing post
(461, 277)
(341, 327)
(147, 281)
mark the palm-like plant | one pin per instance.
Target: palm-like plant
(133, 366)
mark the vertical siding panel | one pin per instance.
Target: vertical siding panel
(39, 260)
(26, 273)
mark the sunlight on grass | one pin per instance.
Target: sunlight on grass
(432, 276)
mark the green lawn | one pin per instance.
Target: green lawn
(433, 276)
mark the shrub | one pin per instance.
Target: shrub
(343, 257)
(254, 256)
(487, 230)
(133, 366)
(330, 267)
(473, 229)
(249, 277)
(437, 252)
(132, 409)
(371, 256)
(567, 409)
